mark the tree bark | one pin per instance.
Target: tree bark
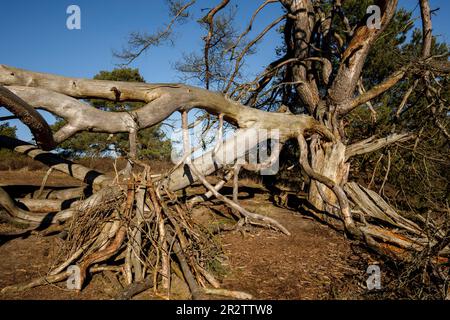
(327, 159)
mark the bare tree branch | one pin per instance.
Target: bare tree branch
(209, 19)
(162, 100)
(371, 144)
(30, 117)
(374, 91)
(247, 48)
(140, 43)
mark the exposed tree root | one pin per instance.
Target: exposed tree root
(49, 280)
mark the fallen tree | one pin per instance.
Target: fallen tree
(139, 219)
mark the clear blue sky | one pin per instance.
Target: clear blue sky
(34, 36)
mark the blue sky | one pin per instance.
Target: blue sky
(34, 36)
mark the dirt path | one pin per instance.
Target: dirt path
(310, 264)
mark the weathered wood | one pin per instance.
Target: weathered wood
(45, 205)
(50, 92)
(372, 144)
(23, 111)
(52, 160)
(374, 206)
